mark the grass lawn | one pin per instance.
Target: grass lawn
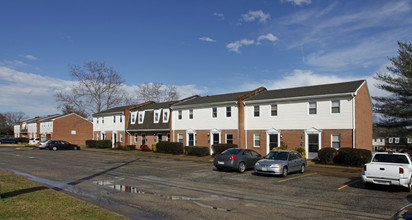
(24, 199)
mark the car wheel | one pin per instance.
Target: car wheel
(302, 168)
(54, 148)
(219, 168)
(367, 185)
(285, 171)
(242, 167)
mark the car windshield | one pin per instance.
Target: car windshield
(231, 151)
(277, 155)
(390, 158)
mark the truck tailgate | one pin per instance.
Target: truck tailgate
(384, 170)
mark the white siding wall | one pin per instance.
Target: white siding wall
(46, 127)
(32, 128)
(108, 124)
(202, 119)
(16, 130)
(295, 115)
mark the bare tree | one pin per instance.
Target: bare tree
(97, 88)
(13, 118)
(157, 92)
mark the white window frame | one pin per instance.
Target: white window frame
(187, 138)
(179, 115)
(331, 140)
(390, 140)
(316, 107)
(73, 132)
(254, 140)
(397, 140)
(409, 140)
(331, 106)
(121, 118)
(226, 137)
(102, 120)
(213, 112)
(133, 117)
(114, 118)
(258, 111)
(141, 117)
(166, 115)
(178, 137)
(156, 112)
(277, 110)
(228, 112)
(191, 114)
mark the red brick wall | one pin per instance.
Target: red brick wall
(363, 117)
(62, 128)
(345, 138)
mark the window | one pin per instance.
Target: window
(121, 118)
(256, 111)
(229, 138)
(141, 116)
(409, 140)
(102, 120)
(312, 108)
(168, 137)
(214, 112)
(97, 120)
(156, 117)
(179, 115)
(397, 140)
(165, 116)
(121, 137)
(336, 141)
(228, 111)
(114, 119)
(335, 106)
(274, 110)
(390, 140)
(133, 116)
(256, 140)
(135, 138)
(180, 137)
(143, 139)
(73, 132)
(190, 113)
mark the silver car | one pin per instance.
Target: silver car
(281, 162)
(43, 144)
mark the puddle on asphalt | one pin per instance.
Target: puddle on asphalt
(89, 196)
(134, 190)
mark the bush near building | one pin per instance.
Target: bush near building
(170, 147)
(219, 148)
(197, 150)
(345, 156)
(99, 143)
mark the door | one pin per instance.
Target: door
(313, 146)
(159, 137)
(273, 141)
(191, 140)
(215, 138)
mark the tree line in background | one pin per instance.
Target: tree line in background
(8, 120)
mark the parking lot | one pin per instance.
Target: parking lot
(140, 186)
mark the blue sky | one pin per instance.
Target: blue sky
(200, 46)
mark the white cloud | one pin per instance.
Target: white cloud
(235, 46)
(28, 92)
(269, 37)
(254, 15)
(219, 15)
(207, 39)
(300, 2)
(29, 57)
(13, 63)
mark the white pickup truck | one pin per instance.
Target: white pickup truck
(388, 168)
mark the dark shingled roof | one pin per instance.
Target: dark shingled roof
(327, 89)
(113, 110)
(212, 99)
(153, 105)
(148, 123)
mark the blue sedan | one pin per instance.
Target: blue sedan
(281, 162)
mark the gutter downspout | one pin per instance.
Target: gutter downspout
(353, 121)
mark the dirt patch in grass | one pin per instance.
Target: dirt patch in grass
(23, 199)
